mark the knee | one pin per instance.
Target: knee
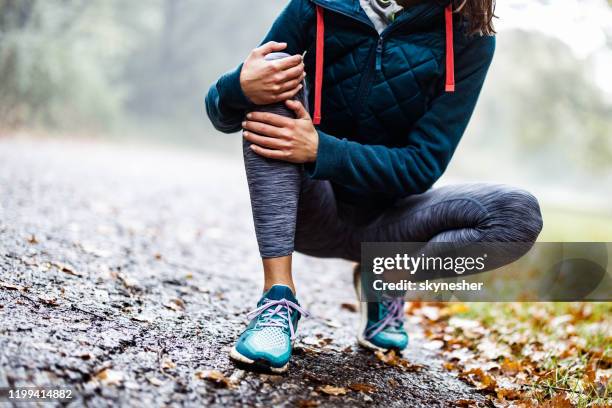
(518, 213)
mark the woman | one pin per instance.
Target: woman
(393, 85)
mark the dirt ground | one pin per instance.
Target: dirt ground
(126, 274)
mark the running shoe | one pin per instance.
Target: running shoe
(382, 323)
(267, 341)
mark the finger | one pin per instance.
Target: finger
(270, 46)
(296, 72)
(291, 85)
(263, 129)
(270, 154)
(298, 108)
(289, 94)
(270, 118)
(288, 62)
(259, 140)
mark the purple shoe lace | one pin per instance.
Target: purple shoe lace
(277, 308)
(393, 318)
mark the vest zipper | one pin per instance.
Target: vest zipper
(379, 49)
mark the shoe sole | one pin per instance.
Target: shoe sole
(261, 364)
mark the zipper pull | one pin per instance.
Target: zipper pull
(379, 49)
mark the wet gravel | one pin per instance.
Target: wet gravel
(126, 272)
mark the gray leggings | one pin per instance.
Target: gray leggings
(293, 212)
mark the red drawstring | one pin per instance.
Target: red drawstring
(319, 66)
(450, 53)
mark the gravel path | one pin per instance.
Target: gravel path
(125, 274)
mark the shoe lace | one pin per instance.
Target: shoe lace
(277, 313)
(393, 310)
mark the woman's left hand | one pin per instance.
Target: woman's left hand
(281, 138)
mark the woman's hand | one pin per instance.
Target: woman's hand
(277, 137)
(265, 82)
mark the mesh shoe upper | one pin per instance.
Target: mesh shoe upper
(272, 328)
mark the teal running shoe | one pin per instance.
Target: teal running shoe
(382, 323)
(267, 341)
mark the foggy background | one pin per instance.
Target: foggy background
(137, 73)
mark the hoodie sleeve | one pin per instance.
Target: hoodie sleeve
(226, 104)
(414, 168)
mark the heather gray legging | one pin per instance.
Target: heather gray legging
(293, 212)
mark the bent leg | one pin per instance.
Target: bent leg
(274, 188)
(462, 214)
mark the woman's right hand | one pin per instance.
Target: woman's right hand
(265, 82)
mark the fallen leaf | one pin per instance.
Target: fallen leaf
(558, 401)
(331, 390)
(143, 318)
(62, 267)
(168, 364)
(128, 282)
(32, 239)
(214, 376)
(86, 356)
(510, 367)
(175, 304)
(110, 377)
(393, 359)
(155, 381)
(332, 323)
(307, 403)
(361, 387)
(48, 300)
(466, 403)
(351, 307)
(478, 378)
(508, 393)
(10, 286)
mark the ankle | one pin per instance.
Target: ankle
(269, 284)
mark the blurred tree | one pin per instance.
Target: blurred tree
(545, 105)
(193, 42)
(58, 63)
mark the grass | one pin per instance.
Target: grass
(563, 225)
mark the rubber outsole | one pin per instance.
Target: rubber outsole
(262, 365)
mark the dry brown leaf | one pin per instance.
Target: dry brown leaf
(331, 390)
(478, 378)
(307, 403)
(449, 366)
(32, 239)
(558, 401)
(127, 281)
(466, 403)
(351, 307)
(110, 377)
(393, 359)
(155, 381)
(168, 364)
(508, 393)
(48, 300)
(362, 387)
(214, 376)
(62, 267)
(175, 304)
(10, 286)
(510, 367)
